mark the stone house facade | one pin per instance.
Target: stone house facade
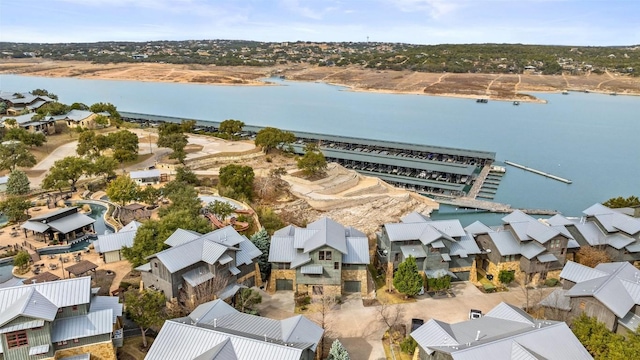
(325, 258)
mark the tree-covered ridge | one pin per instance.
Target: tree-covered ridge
(457, 58)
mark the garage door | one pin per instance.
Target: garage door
(462, 276)
(284, 284)
(352, 286)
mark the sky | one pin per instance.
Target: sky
(551, 22)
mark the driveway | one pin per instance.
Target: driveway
(360, 329)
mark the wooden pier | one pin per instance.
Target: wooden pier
(550, 176)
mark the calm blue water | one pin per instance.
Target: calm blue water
(588, 138)
(5, 271)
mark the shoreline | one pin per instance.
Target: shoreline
(243, 76)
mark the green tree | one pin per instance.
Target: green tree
(236, 181)
(620, 202)
(593, 335)
(14, 154)
(146, 308)
(183, 197)
(313, 161)
(101, 120)
(270, 138)
(221, 209)
(69, 169)
(506, 276)
(53, 109)
(21, 260)
(125, 145)
(150, 195)
(107, 107)
(11, 121)
(26, 137)
(91, 144)
(103, 166)
(269, 219)
(185, 175)
(15, 207)
(78, 106)
(231, 126)
(247, 299)
(338, 351)
(43, 92)
(176, 142)
(262, 241)
(407, 279)
(408, 345)
(123, 189)
(18, 183)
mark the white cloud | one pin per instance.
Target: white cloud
(435, 8)
(296, 7)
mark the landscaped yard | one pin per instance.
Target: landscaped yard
(132, 348)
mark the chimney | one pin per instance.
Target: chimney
(478, 335)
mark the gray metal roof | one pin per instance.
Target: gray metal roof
(417, 251)
(476, 228)
(197, 276)
(297, 329)
(62, 293)
(517, 216)
(330, 234)
(181, 256)
(323, 232)
(312, 269)
(71, 222)
(545, 258)
(35, 226)
(229, 291)
(591, 233)
(414, 217)
(558, 299)
(4, 179)
(534, 230)
(493, 337)
(613, 220)
(76, 115)
(222, 351)
(114, 242)
(81, 326)
(107, 302)
(21, 326)
(132, 226)
(31, 304)
(531, 249)
(558, 219)
(234, 270)
(577, 273)
(144, 267)
(357, 251)
(445, 256)
(572, 244)
(38, 349)
(145, 174)
(179, 341)
(631, 321)
(227, 236)
(281, 249)
(635, 247)
(181, 236)
(248, 252)
(439, 244)
(618, 289)
(427, 232)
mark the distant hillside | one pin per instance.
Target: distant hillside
(472, 58)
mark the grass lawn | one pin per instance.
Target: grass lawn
(399, 355)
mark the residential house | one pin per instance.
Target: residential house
(215, 330)
(610, 292)
(65, 225)
(3, 183)
(529, 248)
(325, 258)
(80, 118)
(439, 247)
(608, 229)
(145, 177)
(504, 333)
(46, 125)
(194, 261)
(20, 102)
(110, 245)
(40, 321)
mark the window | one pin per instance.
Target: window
(324, 255)
(75, 341)
(155, 264)
(583, 305)
(336, 265)
(75, 308)
(17, 338)
(60, 343)
(556, 243)
(396, 257)
(59, 310)
(321, 255)
(346, 266)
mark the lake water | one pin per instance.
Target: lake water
(588, 138)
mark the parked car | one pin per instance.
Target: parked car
(475, 314)
(416, 323)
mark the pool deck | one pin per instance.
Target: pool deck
(120, 268)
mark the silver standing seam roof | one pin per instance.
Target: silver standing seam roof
(81, 326)
(114, 242)
(61, 293)
(99, 303)
(145, 174)
(497, 334)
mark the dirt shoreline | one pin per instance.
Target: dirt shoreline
(495, 87)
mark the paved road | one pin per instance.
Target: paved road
(360, 330)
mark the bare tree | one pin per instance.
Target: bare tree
(323, 307)
(192, 296)
(390, 314)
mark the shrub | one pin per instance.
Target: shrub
(551, 282)
(408, 345)
(506, 276)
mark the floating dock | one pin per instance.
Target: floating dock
(550, 176)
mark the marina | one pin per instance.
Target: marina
(550, 176)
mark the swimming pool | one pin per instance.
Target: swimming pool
(5, 271)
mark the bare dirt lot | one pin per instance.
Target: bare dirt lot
(492, 86)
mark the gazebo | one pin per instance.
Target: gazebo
(62, 225)
(81, 268)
